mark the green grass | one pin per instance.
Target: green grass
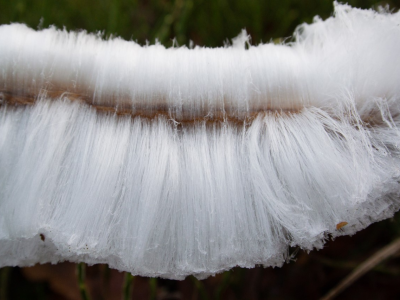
(208, 23)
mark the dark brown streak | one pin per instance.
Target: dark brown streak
(28, 98)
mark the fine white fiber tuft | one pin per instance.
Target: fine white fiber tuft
(247, 150)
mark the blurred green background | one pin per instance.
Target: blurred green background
(206, 23)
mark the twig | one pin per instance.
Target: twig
(366, 266)
(350, 265)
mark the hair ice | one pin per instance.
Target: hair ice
(176, 162)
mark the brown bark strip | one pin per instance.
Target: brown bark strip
(147, 111)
